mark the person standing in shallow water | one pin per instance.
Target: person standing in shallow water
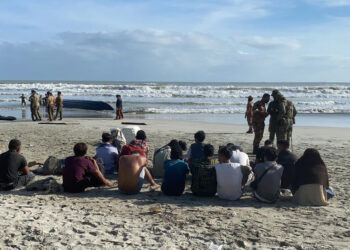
(23, 100)
(119, 108)
(249, 114)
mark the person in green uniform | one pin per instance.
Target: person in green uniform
(59, 105)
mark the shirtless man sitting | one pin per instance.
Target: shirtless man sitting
(132, 172)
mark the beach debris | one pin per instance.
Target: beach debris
(156, 209)
(212, 246)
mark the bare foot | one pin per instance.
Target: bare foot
(154, 187)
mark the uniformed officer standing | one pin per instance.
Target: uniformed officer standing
(59, 105)
(259, 115)
(34, 106)
(50, 104)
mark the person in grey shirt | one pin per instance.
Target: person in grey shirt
(268, 177)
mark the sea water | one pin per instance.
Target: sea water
(318, 104)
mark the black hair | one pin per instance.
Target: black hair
(234, 147)
(141, 135)
(226, 152)
(260, 154)
(176, 151)
(199, 136)
(183, 145)
(208, 150)
(266, 95)
(117, 96)
(80, 149)
(59, 92)
(14, 145)
(270, 154)
(250, 98)
(106, 137)
(267, 142)
(283, 143)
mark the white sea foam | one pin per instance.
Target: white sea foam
(189, 97)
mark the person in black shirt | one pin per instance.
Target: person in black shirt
(119, 108)
(287, 159)
(14, 171)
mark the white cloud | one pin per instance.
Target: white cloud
(330, 3)
(268, 43)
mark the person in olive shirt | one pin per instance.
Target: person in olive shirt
(50, 103)
(14, 171)
(59, 105)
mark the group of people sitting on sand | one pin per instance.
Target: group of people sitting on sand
(227, 174)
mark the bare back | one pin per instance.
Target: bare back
(130, 167)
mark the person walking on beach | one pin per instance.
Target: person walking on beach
(23, 100)
(34, 106)
(50, 103)
(59, 105)
(249, 114)
(119, 108)
(258, 120)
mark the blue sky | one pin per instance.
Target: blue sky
(175, 40)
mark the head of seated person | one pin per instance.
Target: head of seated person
(225, 154)
(208, 151)
(107, 138)
(270, 154)
(260, 155)
(176, 151)
(141, 135)
(80, 149)
(282, 145)
(15, 146)
(268, 143)
(199, 136)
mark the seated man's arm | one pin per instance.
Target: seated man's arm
(246, 170)
(100, 176)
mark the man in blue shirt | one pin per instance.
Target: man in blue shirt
(175, 171)
(108, 153)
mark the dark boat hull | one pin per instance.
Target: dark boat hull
(87, 105)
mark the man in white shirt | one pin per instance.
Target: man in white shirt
(231, 177)
(238, 156)
(108, 153)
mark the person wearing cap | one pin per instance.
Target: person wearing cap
(59, 105)
(34, 106)
(50, 103)
(258, 120)
(249, 114)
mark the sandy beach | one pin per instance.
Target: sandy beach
(104, 218)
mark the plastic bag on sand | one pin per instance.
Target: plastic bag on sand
(215, 247)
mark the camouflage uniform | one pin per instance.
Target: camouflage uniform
(203, 177)
(258, 123)
(34, 107)
(291, 112)
(281, 121)
(59, 106)
(50, 103)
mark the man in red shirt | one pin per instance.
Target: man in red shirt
(81, 172)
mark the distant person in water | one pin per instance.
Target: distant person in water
(119, 108)
(59, 105)
(249, 114)
(23, 100)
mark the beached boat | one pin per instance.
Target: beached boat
(87, 105)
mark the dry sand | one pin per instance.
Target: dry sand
(103, 218)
